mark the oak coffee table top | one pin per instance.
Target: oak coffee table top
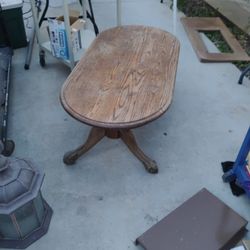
(125, 80)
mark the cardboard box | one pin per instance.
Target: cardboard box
(58, 38)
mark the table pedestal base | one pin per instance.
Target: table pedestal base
(96, 134)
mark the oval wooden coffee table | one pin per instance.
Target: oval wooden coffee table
(125, 80)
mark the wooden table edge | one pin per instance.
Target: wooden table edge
(113, 125)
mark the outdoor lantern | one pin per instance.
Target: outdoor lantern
(24, 214)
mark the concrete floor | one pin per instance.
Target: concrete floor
(107, 199)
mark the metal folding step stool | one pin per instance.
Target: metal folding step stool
(244, 72)
(239, 172)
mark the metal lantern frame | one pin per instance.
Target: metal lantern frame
(24, 214)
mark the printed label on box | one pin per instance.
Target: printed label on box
(58, 37)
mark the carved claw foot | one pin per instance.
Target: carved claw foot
(70, 158)
(151, 167)
(95, 135)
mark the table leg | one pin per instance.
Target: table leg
(129, 139)
(95, 135)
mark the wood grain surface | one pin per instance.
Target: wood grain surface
(125, 79)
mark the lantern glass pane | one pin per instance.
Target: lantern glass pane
(38, 202)
(27, 219)
(7, 229)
